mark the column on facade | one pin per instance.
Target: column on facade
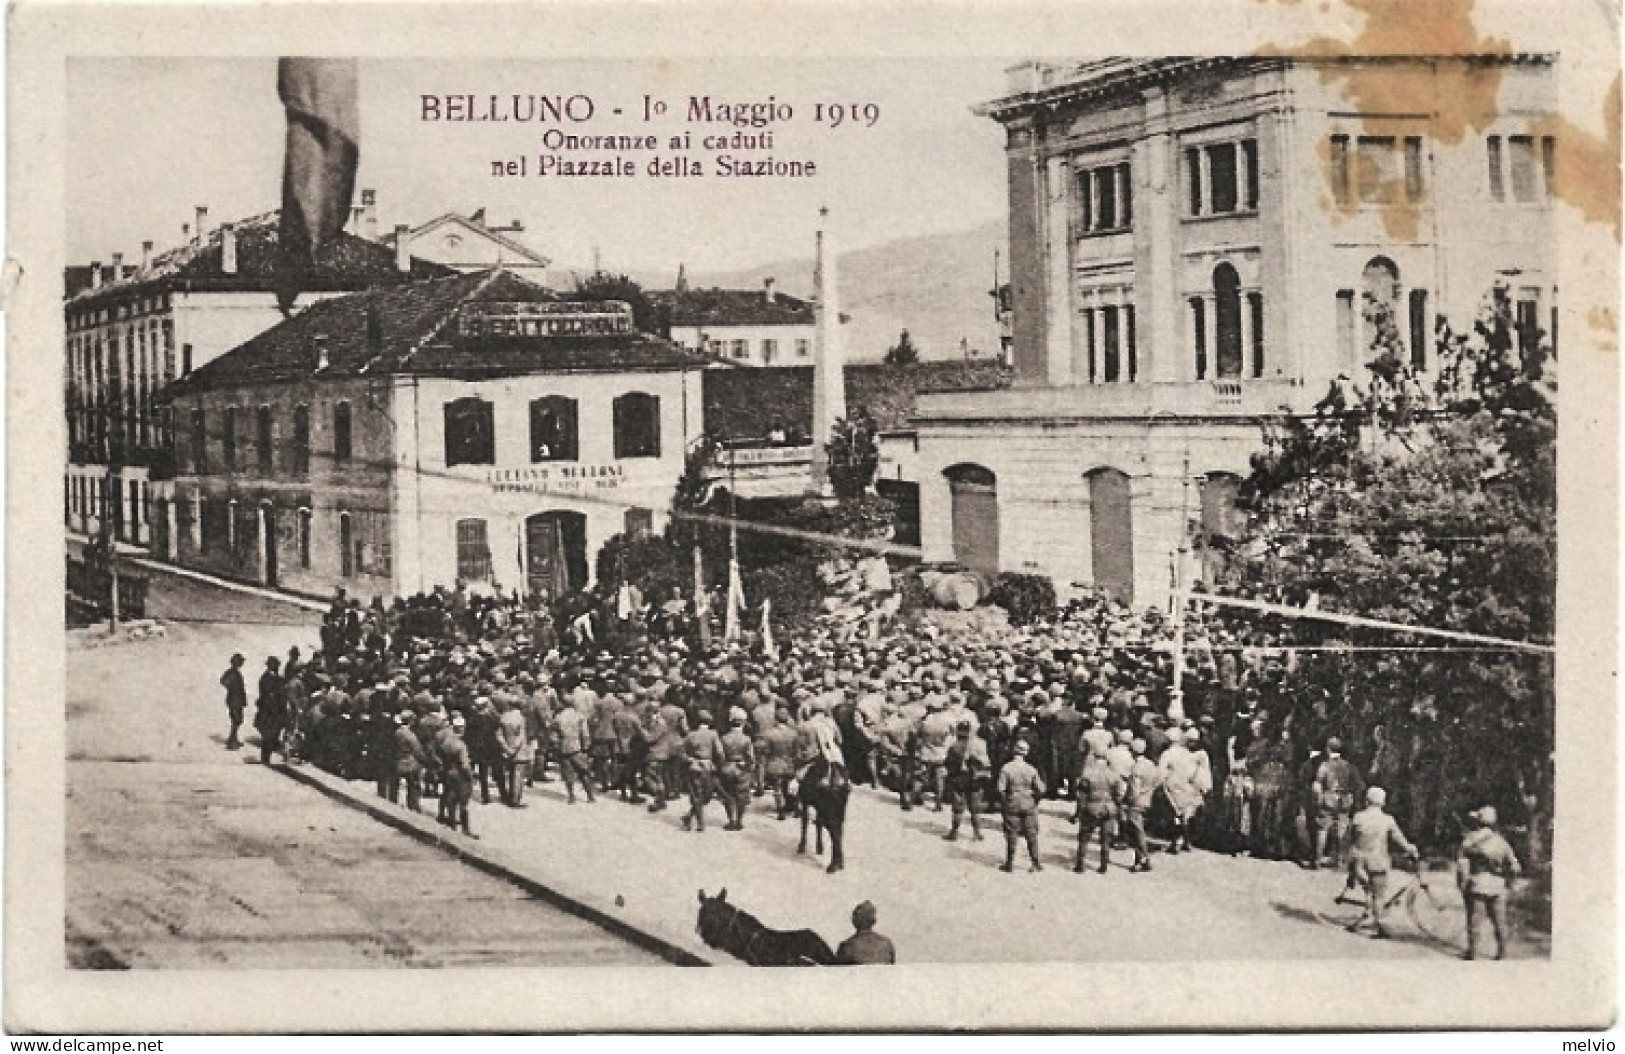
(1058, 241)
(1204, 163)
(1210, 333)
(1158, 307)
(1245, 296)
(171, 532)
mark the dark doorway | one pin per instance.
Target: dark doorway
(268, 540)
(556, 553)
(1111, 533)
(975, 517)
(906, 520)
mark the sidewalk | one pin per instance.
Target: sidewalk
(938, 901)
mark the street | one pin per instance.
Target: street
(182, 854)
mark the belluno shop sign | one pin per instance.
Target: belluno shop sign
(565, 479)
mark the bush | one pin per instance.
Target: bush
(798, 597)
(648, 561)
(1025, 597)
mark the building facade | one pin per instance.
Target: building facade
(473, 427)
(132, 329)
(1197, 245)
(467, 243)
(741, 327)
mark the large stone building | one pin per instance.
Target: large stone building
(1197, 244)
(742, 327)
(473, 427)
(133, 328)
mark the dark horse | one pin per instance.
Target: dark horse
(741, 934)
(824, 790)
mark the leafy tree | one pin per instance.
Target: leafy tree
(647, 316)
(903, 353)
(854, 455)
(1427, 506)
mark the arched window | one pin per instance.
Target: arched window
(553, 429)
(975, 517)
(1111, 532)
(470, 434)
(1379, 302)
(637, 425)
(1227, 321)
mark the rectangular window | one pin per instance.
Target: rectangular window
(1109, 341)
(346, 545)
(1221, 160)
(1125, 186)
(299, 452)
(263, 448)
(1086, 200)
(1345, 324)
(770, 351)
(1199, 329)
(1497, 180)
(470, 432)
(1104, 199)
(1106, 194)
(341, 432)
(1419, 329)
(553, 429)
(1413, 168)
(1128, 343)
(1339, 162)
(1255, 306)
(1193, 176)
(803, 348)
(1089, 316)
(1528, 321)
(740, 349)
(228, 438)
(473, 551)
(637, 425)
(1548, 162)
(304, 539)
(200, 442)
(639, 522)
(1249, 155)
(1521, 154)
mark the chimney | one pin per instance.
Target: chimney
(202, 222)
(118, 266)
(320, 341)
(146, 255)
(403, 249)
(186, 232)
(369, 215)
(228, 249)
(95, 274)
(767, 290)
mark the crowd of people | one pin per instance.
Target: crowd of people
(448, 694)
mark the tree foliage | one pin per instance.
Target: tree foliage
(903, 353)
(854, 455)
(647, 316)
(1425, 504)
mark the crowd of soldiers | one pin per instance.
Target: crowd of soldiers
(448, 693)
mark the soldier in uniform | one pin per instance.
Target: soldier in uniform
(513, 735)
(966, 767)
(410, 760)
(865, 947)
(457, 774)
(702, 753)
(271, 711)
(936, 732)
(897, 747)
(1100, 796)
(573, 740)
(236, 699)
(738, 766)
(632, 749)
(1020, 791)
(779, 763)
(1486, 867)
(1138, 790)
(1336, 788)
(1372, 832)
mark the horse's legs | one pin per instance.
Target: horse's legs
(819, 848)
(837, 858)
(802, 848)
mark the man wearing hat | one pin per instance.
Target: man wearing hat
(513, 737)
(1335, 790)
(1371, 833)
(1100, 796)
(738, 767)
(236, 699)
(409, 762)
(457, 775)
(865, 947)
(1020, 791)
(702, 750)
(1138, 788)
(574, 739)
(936, 732)
(1486, 867)
(271, 711)
(966, 767)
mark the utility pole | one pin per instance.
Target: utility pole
(1176, 704)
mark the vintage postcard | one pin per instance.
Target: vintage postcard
(1102, 513)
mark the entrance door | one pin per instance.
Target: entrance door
(1111, 533)
(975, 518)
(556, 553)
(268, 541)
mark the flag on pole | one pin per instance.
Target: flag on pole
(623, 602)
(736, 602)
(769, 648)
(318, 171)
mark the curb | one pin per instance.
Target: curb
(485, 860)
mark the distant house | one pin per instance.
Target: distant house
(132, 328)
(470, 243)
(743, 327)
(474, 427)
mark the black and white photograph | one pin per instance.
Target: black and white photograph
(1004, 509)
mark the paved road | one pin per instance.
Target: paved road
(182, 854)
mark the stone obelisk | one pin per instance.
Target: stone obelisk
(829, 356)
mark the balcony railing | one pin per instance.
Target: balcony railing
(1226, 398)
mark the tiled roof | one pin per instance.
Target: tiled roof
(747, 403)
(408, 330)
(346, 264)
(732, 307)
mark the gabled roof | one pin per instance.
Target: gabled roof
(479, 230)
(411, 330)
(346, 264)
(746, 403)
(732, 307)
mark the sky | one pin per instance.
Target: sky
(149, 140)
